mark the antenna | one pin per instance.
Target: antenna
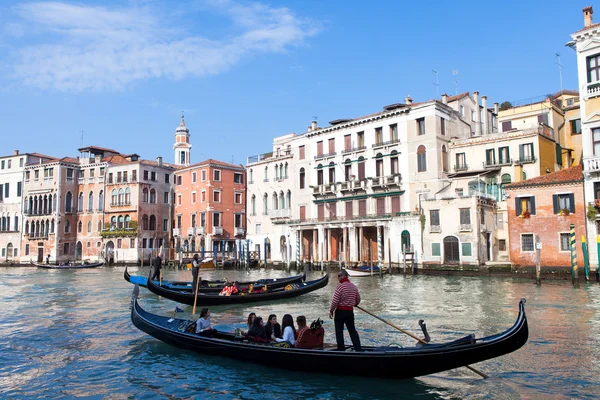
(455, 73)
(559, 69)
(81, 138)
(437, 85)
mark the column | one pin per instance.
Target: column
(321, 248)
(328, 246)
(314, 246)
(345, 241)
(360, 243)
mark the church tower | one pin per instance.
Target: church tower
(182, 144)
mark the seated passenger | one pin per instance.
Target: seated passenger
(257, 331)
(301, 321)
(203, 327)
(310, 338)
(289, 332)
(228, 290)
(273, 329)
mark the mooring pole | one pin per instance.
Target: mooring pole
(585, 258)
(573, 242)
(538, 247)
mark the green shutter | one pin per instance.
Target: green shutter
(521, 152)
(572, 202)
(466, 250)
(558, 154)
(532, 202)
(435, 250)
(518, 205)
(555, 203)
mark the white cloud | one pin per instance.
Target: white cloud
(75, 48)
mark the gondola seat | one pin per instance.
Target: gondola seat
(309, 339)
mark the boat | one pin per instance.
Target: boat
(213, 299)
(380, 362)
(68, 265)
(206, 263)
(214, 286)
(366, 270)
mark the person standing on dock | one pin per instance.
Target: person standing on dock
(345, 298)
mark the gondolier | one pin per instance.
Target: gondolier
(157, 264)
(195, 270)
(345, 298)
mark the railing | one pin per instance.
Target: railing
(388, 143)
(466, 228)
(527, 159)
(269, 156)
(282, 213)
(201, 230)
(319, 156)
(354, 149)
(81, 180)
(131, 232)
(435, 229)
(461, 167)
(239, 231)
(44, 212)
(191, 231)
(217, 230)
(591, 164)
(100, 179)
(176, 232)
(490, 164)
(593, 90)
(120, 204)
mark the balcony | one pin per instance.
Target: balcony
(201, 230)
(217, 230)
(393, 180)
(319, 156)
(466, 228)
(388, 143)
(593, 90)
(239, 231)
(176, 232)
(81, 181)
(37, 212)
(354, 149)
(270, 156)
(191, 231)
(119, 232)
(461, 167)
(378, 181)
(591, 164)
(100, 179)
(282, 213)
(122, 204)
(435, 229)
(527, 159)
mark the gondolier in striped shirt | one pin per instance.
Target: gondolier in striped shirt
(345, 298)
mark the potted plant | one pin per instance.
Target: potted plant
(592, 212)
(525, 214)
(564, 212)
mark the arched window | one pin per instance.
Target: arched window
(275, 203)
(91, 202)
(27, 227)
(54, 202)
(121, 199)
(379, 164)
(289, 199)
(302, 178)
(101, 201)
(331, 172)
(319, 174)
(361, 168)
(285, 171)
(281, 200)
(145, 195)
(127, 221)
(444, 159)
(152, 223)
(145, 222)
(89, 228)
(394, 168)
(348, 170)
(421, 159)
(99, 226)
(152, 196)
(80, 202)
(26, 205)
(120, 222)
(266, 179)
(113, 223)
(276, 171)
(69, 202)
(265, 204)
(80, 227)
(127, 196)
(253, 205)
(52, 226)
(113, 197)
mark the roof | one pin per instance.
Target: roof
(569, 175)
(215, 162)
(588, 27)
(70, 160)
(97, 149)
(42, 156)
(458, 96)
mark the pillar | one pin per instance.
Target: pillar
(328, 246)
(360, 243)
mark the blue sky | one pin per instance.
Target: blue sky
(245, 72)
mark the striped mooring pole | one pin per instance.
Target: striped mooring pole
(297, 249)
(573, 242)
(598, 258)
(585, 258)
(379, 248)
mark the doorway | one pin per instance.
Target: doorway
(451, 253)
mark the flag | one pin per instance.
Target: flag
(177, 309)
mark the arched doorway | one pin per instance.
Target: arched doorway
(268, 248)
(9, 251)
(405, 241)
(79, 251)
(451, 253)
(109, 252)
(283, 248)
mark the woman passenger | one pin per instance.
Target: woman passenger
(203, 327)
(258, 329)
(273, 329)
(289, 332)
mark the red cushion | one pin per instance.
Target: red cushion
(308, 339)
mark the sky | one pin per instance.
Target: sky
(119, 74)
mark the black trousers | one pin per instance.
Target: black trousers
(155, 273)
(194, 277)
(346, 317)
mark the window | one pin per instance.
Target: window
(395, 204)
(258, 228)
(68, 202)
(347, 170)
(266, 176)
(461, 161)
(217, 175)
(361, 168)
(203, 219)
(504, 155)
(421, 159)
(179, 180)
(442, 126)
(238, 198)
(152, 196)
(379, 165)
(302, 178)
(525, 204)
(145, 195)
(472, 115)
(238, 178)
(596, 140)
(526, 152)
(319, 174)
(166, 178)
(593, 68)
(564, 242)
(378, 135)
(251, 176)
(153, 176)
(434, 217)
(6, 190)
(203, 175)
(465, 216)
(152, 223)
(302, 213)
(165, 224)
(466, 250)
(319, 148)
(118, 176)
(193, 177)
(502, 244)
(80, 227)
(562, 202)
(253, 205)
(144, 243)
(203, 196)
(321, 212)
(178, 199)
(349, 211)
(145, 175)
(331, 145)
(362, 208)
(134, 176)
(347, 142)
(216, 219)
(506, 126)
(445, 164)
(527, 242)
(575, 126)
(26, 249)
(393, 132)
(490, 157)
(360, 139)
(166, 197)
(66, 249)
(436, 248)
(67, 226)
(380, 204)
(462, 110)
(193, 197)
(237, 220)
(217, 196)
(421, 126)
(301, 150)
(331, 172)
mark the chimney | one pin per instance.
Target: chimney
(408, 100)
(486, 128)
(16, 153)
(445, 98)
(587, 16)
(159, 161)
(313, 125)
(496, 109)
(477, 119)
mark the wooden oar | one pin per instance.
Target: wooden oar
(196, 294)
(484, 376)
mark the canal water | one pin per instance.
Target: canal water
(68, 334)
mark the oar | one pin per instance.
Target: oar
(196, 294)
(484, 376)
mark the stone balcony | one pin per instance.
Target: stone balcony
(239, 231)
(176, 232)
(591, 164)
(217, 230)
(191, 231)
(281, 213)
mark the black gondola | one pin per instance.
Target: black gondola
(381, 362)
(208, 299)
(68, 266)
(215, 286)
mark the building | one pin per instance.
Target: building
(586, 43)
(210, 209)
(11, 199)
(546, 207)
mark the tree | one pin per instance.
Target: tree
(505, 105)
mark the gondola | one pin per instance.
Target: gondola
(213, 299)
(215, 286)
(365, 270)
(380, 362)
(68, 266)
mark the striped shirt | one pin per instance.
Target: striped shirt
(345, 297)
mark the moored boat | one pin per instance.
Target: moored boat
(68, 265)
(366, 271)
(211, 299)
(382, 362)
(216, 286)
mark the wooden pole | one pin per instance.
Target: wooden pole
(390, 254)
(196, 292)
(538, 245)
(573, 243)
(586, 269)
(484, 376)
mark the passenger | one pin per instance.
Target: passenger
(228, 290)
(250, 321)
(203, 327)
(289, 332)
(273, 329)
(301, 321)
(258, 329)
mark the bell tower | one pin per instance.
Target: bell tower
(182, 144)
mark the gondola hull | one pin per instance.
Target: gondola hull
(213, 286)
(79, 266)
(209, 299)
(357, 272)
(381, 362)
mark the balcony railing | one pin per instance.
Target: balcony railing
(201, 230)
(435, 229)
(591, 164)
(527, 159)
(593, 90)
(239, 231)
(388, 143)
(282, 213)
(120, 204)
(319, 156)
(466, 228)
(269, 156)
(191, 231)
(217, 230)
(176, 232)
(118, 232)
(461, 167)
(38, 212)
(354, 149)
(100, 179)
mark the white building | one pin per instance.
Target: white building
(11, 198)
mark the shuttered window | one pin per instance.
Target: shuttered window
(563, 202)
(302, 213)
(380, 205)
(349, 211)
(506, 126)
(331, 146)
(321, 212)
(320, 148)
(347, 142)
(301, 152)
(395, 204)
(332, 210)
(362, 208)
